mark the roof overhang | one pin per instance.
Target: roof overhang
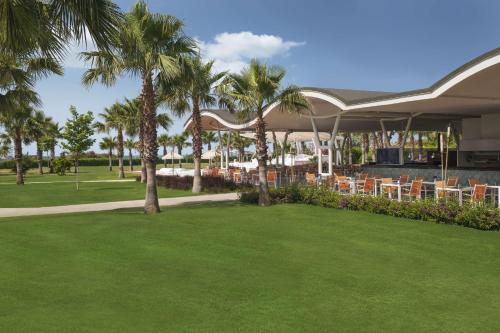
(468, 92)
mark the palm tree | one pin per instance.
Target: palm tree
(46, 27)
(148, 45)
(248, 93)
(180, 142)
(130, 145)
(192, 90)
(164, 140)
(122, 119)
(49, 142)
(15, 122)
(108, 143)
(208, 138)
(5, 145)
(240, 143)
(38, 126)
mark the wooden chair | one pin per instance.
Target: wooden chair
(452, 181)
(343, 185)
(330, 181)
(389, 190)
(419, 178)
(473, 182)
(479, 193)
(439, 184)
(272, 178)
(404, 179)
(368, 186)
(414, 191)
(237, 178)
(311, 179)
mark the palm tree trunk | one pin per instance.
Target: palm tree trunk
(164, 153)
(39, 158)
(197, 147)
(141, 146)
(150, 154)
(261, 149)
(179, 151)
(375, 145)
(228, 148)
(119, 139)
(18, 156)
(52, 158)
(110, 159)
(130, 160)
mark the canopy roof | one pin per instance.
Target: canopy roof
(468, 92)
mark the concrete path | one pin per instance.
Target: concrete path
(74, 181)
(96, 207)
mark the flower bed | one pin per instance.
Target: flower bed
(477, 217)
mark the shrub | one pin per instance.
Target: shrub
(209, 184)
(478, 217)
(62, 165)
(26, 164)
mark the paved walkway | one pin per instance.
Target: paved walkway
(74, 181)
(96, 207)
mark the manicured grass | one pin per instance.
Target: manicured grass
(61, 190)
(228, 267)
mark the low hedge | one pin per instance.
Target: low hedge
(477, 217)
(208, 183)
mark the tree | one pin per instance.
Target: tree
(77, 134)
(15, 123)
(164, 140)
(108, 143)
(208, 138)
(148, 47)
(38, 126)
(241, 143)
(130, 145)
(248, 93)
(192, 90)
(180, 142)
(46, 27)
(5, 145)
(49, 142)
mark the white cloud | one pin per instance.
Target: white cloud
(233, 51)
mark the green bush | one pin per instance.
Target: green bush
(26, 164)
(62, 165)
(477, 217)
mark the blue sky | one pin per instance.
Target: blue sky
(374, 45)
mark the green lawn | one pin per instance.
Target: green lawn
(61, 190)
(228, 268)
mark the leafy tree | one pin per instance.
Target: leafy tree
(108, 143)
(148, 47)
(77, 134)
(248, 93)
(189, 92)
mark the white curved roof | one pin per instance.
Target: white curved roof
(468, 92)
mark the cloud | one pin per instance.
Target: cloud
(233, 51)
(72, 58)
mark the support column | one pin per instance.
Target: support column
(332, 144)
(385, 138)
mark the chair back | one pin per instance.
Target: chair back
(369, 185)
(403, 179)
(452, 181)
(388, 189)
(416, 188)
(439, 184)
(330, 181)
(271, 176)
(473, 182)
(363, 176)
(479, 193)
(419, 178)
(310, 178)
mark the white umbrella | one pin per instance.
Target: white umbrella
(172, 156)
(209, 154)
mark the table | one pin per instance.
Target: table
(450, 189)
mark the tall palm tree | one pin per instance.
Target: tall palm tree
(46, 27)
(192, 90)
(241, 143)
(49, 142)
(148, 45)
(130, 145)
(248, 93)
(15, 123)
(164, 140)
(180, 142)
(109, 144)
